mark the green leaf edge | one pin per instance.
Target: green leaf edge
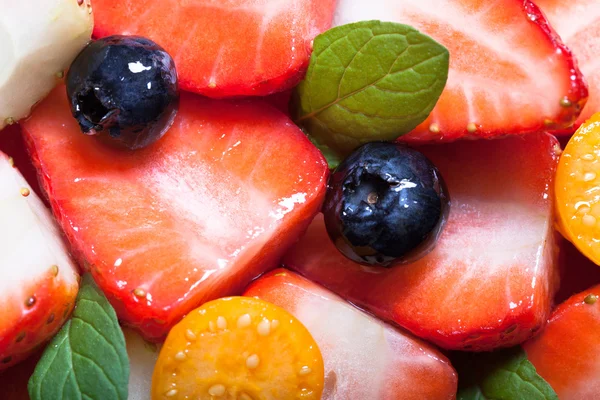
(486, 381)
(89, 292)
(321, 43)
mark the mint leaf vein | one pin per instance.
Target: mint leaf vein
(369, 81)
(87, 358)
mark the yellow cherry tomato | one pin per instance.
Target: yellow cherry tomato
(577, 189)
(239, 348)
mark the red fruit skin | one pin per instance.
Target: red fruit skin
(39, 298)
(565, 354)
(489, 121)
(13, 145)
(578, 23)
(272, 165)
(409, 369)
(490, 281)
(23, 329)
(235, 48)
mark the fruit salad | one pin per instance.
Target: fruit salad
(299, 199)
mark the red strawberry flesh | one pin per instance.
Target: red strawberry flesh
(578, 23)
(509, 72)
(399, 366)
(225, 47)
(192, 218)
(490, 280)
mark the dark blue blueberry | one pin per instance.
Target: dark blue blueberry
(385, 204)
(124, 89)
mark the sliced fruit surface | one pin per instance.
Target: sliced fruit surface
(239, 348)
(490, 280)
(351, 341)
(509, 72)
(225, 48)
(38, 280)
(38, 40)
(191, 218)
(565, 353)
(577, 185)
(578, 24)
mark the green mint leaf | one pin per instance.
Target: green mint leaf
(87, 359)
(333, 158)
(369, 81)
(501, 375)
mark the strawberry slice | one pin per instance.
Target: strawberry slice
(400, 366)
(578, 23)
(194, 217)
(225, 47)
(565, 354)
(38, 280)
(490, 280)
(509, 72)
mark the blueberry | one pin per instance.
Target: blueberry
(124, 89)
(385, 204)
